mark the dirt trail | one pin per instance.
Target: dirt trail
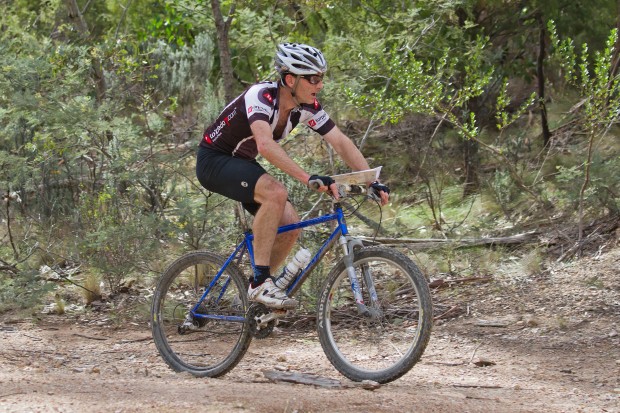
(549, 344)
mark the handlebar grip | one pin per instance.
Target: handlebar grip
(316, 181)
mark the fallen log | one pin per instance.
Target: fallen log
(426, 243)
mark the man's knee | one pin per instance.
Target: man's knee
(268, 190)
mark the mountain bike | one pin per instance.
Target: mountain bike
(374, 314)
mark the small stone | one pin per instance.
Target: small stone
(370, 385)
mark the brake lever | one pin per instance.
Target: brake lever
(374, 195)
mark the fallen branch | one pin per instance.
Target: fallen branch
(2, 396)
(90, 337)
(477, 386)
(441, 283)
(137, 340)
(445, 363)
(426, 243)
(474, 353)
(301, 378)
(450, 312)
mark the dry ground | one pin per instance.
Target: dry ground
(550, 343)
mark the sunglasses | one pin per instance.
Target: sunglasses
(313, 79)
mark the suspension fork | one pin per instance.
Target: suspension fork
(348, 247)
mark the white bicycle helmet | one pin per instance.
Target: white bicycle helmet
(299, 59)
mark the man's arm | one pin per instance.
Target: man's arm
(350, 154)
(274, 154)
(346, 149)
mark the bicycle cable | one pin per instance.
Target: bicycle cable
(352, 211)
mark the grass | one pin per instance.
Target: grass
(92, 288)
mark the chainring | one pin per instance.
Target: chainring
(256, 311)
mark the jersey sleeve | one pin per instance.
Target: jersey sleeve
(317, 119)
(259, 103)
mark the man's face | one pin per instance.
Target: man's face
(308, 87)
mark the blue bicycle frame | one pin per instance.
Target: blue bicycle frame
(340, 232)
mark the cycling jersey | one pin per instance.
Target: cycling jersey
(231, 132)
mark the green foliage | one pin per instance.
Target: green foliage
(118, 251)
(23, 291)
(594, 77)
(167, 23)
(95, 129)
(255, 59)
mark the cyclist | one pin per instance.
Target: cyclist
(252, 124)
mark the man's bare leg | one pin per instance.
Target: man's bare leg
(284, 242)
(272, 196)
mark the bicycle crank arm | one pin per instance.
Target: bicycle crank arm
(263, 320)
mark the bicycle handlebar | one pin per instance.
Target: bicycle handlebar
(354, 183)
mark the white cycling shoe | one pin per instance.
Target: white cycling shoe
(271, 296)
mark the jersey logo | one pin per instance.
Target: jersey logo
(316, 104)
(312, 123)
(268, 97)
(250, 109)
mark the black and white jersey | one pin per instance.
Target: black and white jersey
(231, 132)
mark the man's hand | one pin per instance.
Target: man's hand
(379, 191)
(323, 184)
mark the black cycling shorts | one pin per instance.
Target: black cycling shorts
(226, 175)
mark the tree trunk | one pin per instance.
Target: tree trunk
(616, 59)
(471, 160)
(541, 81)
(77, 20)
(222, 29)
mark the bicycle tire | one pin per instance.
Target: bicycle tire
(384, 347)
(204, 347)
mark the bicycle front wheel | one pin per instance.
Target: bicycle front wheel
(382, 339)
(207, 338)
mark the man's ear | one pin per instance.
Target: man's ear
(289, 80)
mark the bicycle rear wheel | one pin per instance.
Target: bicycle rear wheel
(387, 340)
(210, 341)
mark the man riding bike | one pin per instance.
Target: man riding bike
(252, 124)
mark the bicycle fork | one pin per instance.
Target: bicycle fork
(372, 310)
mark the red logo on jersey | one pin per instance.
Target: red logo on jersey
(268, 97)
(250, 109)
(312, 123)
(316, 104)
